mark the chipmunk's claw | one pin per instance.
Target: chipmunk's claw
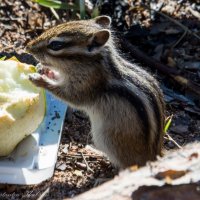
(40, 68)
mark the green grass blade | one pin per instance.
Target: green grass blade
(54, 4)
(169, 121)
(95, 12)
(3, 58)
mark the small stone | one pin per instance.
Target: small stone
(65, 149)
(62, 167)
(81, 165)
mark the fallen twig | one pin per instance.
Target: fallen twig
(179, 40)
(171, 72)
(169, 138)
(55, 13)
(88, 167)
(149, 61)
(43, 194)
(186, 29)
(192, 86)
(194, 12)
(85, 155)
(169, 117)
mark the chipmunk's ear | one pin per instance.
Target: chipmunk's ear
(103, 21)
(98, 39)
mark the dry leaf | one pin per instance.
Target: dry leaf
(170, 174)
(78, 173)
(193, 155)
(171, 62)
(134, 168)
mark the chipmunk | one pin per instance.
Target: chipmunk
(124, 103)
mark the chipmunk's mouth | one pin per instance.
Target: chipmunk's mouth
(46, 71)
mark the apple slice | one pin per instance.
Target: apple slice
(22, 105)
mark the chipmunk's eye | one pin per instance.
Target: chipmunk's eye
(57, 45)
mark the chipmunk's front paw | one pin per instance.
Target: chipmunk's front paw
(40, 68)
(38, 80)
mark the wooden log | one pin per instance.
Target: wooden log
(175, 176)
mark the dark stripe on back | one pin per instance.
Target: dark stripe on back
(155, 98)
(151, 97)
(112, 65)
(158, 115)
(113, 69)
(154, 101)
(147, 76)
(143, 88)
(135, 100)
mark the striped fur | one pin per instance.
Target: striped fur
(124, 102)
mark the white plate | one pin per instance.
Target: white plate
(34, 159)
